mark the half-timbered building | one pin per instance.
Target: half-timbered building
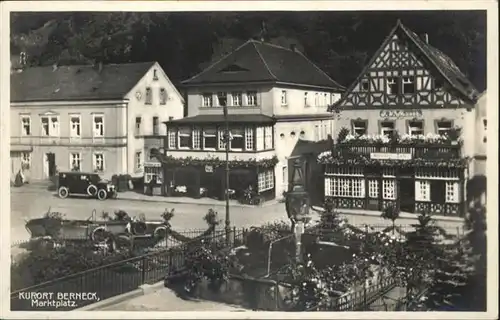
(404, 131)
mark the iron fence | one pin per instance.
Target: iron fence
(112, 279)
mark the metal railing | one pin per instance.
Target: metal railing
(113, 279)
(417, 151)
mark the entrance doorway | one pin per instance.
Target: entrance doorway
(49, 167)
(407, 195)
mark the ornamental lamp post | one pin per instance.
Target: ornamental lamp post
(227, 141)
(297, 205)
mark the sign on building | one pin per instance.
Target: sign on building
(401, 114)
(390, 156)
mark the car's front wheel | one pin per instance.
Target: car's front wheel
(102, 194)
(63, 192)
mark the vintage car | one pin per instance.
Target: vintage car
(112, 233)
(83, 183)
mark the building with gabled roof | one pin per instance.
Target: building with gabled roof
(274, 95)
(91, 118)
(405, 131)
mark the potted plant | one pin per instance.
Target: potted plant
(454, 135)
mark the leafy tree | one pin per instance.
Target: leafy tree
(391, 212)
(184, 43)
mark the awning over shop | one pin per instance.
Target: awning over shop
(20, 148)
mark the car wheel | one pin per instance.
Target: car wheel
(92, 190)
(102, 194)
(63, 192)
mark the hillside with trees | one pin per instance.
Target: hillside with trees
(183, 43)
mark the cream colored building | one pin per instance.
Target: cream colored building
(274, 97)
(88, 118)
(481, 136)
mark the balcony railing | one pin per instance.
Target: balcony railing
(417, 151)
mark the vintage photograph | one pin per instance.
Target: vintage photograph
(248, 161)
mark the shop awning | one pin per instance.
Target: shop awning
(20, 148)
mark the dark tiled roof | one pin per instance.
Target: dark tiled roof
(445, 66)
(232, 118)
(256, 61)
(303, 147)
(76, 82)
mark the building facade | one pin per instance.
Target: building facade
(405, 132)
(274, 96)
(481, 134)
(87, 118)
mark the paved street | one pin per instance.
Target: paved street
(33, 201)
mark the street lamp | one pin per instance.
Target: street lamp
(227, 141)
(297, 205)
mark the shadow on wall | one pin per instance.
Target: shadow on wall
(476, 188)
(477, 226)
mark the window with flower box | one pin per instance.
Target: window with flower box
(249, 142)
(359, 127)
(387, 128)
(185, 138)
(443, 127)
(209, 138)
(415, 127)
(266, 180)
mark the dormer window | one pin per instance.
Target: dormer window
(392, 86)
(236, 98)
(365, 85)
(408, 85)
(207, 100)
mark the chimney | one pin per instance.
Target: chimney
(54, 67)
(425, 37)
(293, 47)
